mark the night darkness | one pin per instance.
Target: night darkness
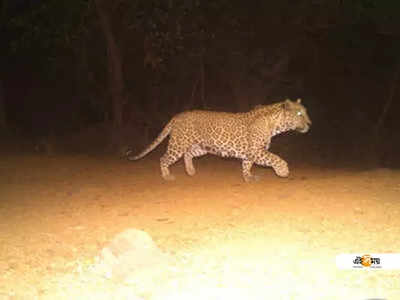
(341, 59)
(83, 81)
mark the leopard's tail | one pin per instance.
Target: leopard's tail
(163, 134)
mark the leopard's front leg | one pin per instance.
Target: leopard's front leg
(246, 171)
(266, 158)
(259, 139)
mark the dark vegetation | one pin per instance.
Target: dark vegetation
(78, 75)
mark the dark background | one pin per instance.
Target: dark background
(97, 76)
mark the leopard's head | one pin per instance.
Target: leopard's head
(296, 116)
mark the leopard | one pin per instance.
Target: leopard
(244, 135)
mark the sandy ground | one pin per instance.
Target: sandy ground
(273, 239)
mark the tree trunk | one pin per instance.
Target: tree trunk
(115, 73)
(3, 120)
(377, 150)
(202, 81)
(393, 87)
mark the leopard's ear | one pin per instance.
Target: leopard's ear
(298, 101)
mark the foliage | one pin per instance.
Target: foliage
(40, 31)
(167, 40)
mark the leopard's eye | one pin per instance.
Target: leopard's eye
(299, 113)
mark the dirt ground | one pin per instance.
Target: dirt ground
(273, 239)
